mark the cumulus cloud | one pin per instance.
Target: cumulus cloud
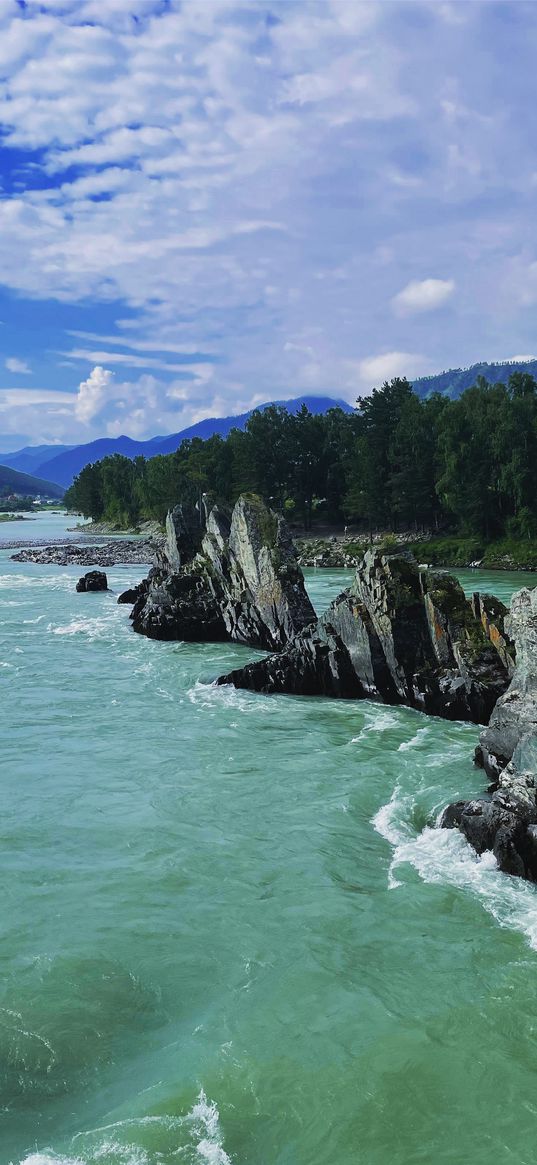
(92, 394)
(246, 195)
(423, 295)
(374, 370)
(20, 367)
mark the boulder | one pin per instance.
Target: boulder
(400, 635)
(232, 578)
(506, 821)
(94, 580)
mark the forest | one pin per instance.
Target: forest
(396, 463)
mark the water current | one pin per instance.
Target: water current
(230, 932)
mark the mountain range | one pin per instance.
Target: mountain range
(61, 463)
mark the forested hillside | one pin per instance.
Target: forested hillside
(397, 462)
(11, 481)
(455, 381)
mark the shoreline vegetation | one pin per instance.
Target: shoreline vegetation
(449, 551)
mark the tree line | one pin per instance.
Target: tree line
(396, 462)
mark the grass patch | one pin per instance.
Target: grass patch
(504, 554)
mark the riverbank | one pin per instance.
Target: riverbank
(148, 529)
(346, 551)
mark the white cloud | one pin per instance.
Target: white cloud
(374, 370)
(249, 194)
(13, 364)
(423, 295)
(92, 394)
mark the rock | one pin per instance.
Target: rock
(398, 635)
(492, 614)
(506, 823)
(94, 580)
(238, 580)
(515, 714)
(132, 594)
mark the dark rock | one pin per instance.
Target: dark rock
(133, 593)
(398, 634)
(451, 816)
(94, 580)
(234, 578)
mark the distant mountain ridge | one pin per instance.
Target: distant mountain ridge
(62, 463)
(456, 380)
(27, 484)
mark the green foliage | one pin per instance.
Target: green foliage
(468, 466)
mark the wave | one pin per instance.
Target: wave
(444, 856)
(194, 1139)
(96, 628)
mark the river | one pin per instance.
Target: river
(229, 932)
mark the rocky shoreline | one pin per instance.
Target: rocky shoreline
(344, 552)
(112, 553)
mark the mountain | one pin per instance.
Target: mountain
(63, 466)
(11, 481)
(454, 382)
(32, 457)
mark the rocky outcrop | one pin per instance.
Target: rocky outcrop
(94, 580)
(506, 820)
(399, 634)
(220, 578)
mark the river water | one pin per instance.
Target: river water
(229, 932)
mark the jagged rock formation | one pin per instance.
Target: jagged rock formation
(218, 578)
(94, 580)
(399, 634)
(506, 822)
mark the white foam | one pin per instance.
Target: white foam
(115, 1143)
(206, 1120)
(444, 856)
(414, 740)
(93, 628)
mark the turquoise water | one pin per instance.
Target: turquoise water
(39, 527)
(229, 933)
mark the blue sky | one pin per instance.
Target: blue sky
(205, 205)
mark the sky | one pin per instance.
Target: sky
(206, 205)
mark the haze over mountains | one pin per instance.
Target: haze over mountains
(61, 463)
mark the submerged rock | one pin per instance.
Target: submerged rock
(399, 634)
(506, 821)
(94, 580)
(225, 579)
